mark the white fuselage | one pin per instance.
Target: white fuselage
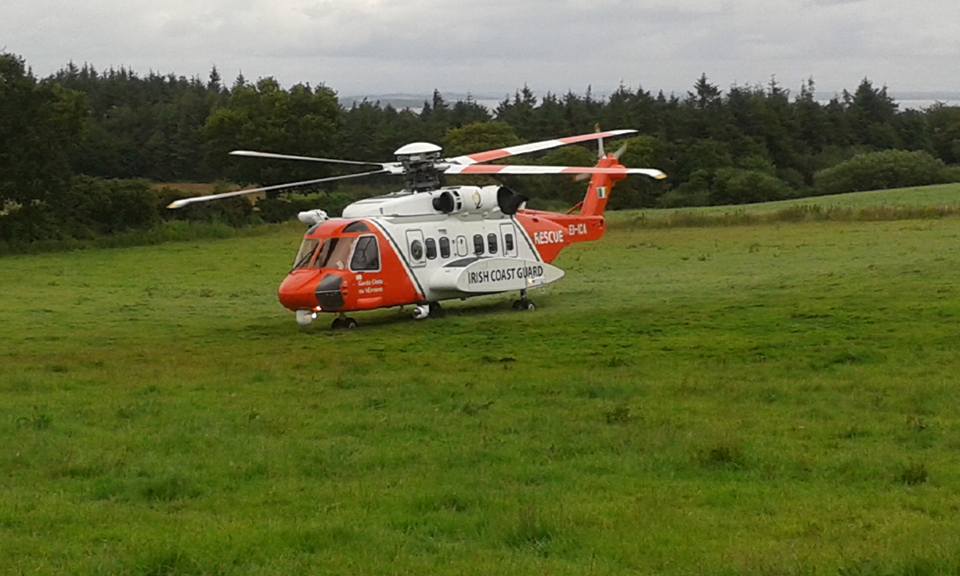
(428, 240)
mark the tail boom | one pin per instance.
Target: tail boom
(551, 232)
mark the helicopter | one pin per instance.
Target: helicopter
(430, 242)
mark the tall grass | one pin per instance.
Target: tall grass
(796, 213)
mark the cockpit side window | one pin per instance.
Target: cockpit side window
(335, 253)
(366, 255)
(305, 255)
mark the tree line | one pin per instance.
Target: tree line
(71, 142)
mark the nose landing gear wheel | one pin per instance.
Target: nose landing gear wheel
(305, 318)
(428, 310)
(421, 311)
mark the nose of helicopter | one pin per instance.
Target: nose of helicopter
(298, 290)
(313, 289)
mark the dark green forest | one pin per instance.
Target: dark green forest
(82, 151)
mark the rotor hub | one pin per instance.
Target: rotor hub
(422, 167)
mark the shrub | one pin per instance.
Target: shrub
(951, 174)
(879, 170)
(94, 206)
(793, 178)
(739, 186)
(693, 192)
(235, 212)
(682, 197)
(726, 186)
(89, 207)
(23, 224)
(758, 163)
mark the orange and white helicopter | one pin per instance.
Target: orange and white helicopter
(429, 242)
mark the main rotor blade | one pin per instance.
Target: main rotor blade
(523, 169)
(185, 201)
(254, 154)
(491, 155)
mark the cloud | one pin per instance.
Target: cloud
(831, 2)
(495, 46)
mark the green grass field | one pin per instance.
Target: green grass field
(902, 203)
(756, 399)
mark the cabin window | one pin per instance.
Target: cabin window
(461, 246)
(366, 255)
(477, 244)
(357, 226)
(508, 242)
(416, 250)
(492, 243)
(431, 248)
(444, 247)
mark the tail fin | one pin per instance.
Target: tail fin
(598, 193)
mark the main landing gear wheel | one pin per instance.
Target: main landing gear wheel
(523, 303)
(343, 323)
(436, 311)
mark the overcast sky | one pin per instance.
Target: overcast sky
(495, 46)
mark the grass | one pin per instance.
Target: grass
(757, 399)
(900, 204)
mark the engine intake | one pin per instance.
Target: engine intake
(447, 201)
(472, 200)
